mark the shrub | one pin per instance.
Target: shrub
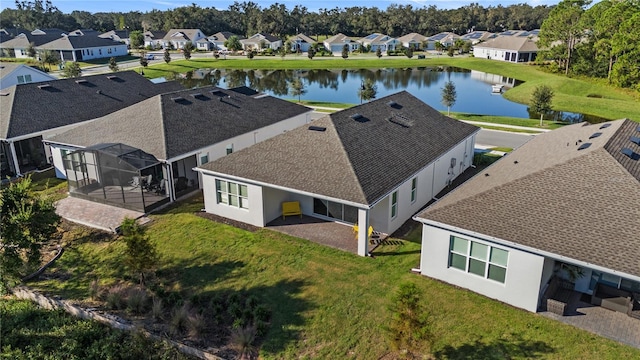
(261, 313)
(197, 325)
(157, 309)
(261, 328)
(94, 289)
(116, 297)
(179, 320)
(251, 302)
(137, 300)
(242, 339)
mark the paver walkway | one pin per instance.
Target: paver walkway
(89, 213)
(610, 324)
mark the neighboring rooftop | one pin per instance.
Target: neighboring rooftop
(558, 194)
(34, 107)
(72, 42)
(359, 154)
(520, 43)
(179, 122)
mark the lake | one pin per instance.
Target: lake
(474, 88)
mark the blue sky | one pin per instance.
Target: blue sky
(67, 6)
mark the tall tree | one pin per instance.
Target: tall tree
(143, 59)
(345, 51)
(113, 65)
(49, 57)
(233, 43)
(136, 39)
(296, 88)
(141, 255)
(541, 100)
(368, 90)
(187, 49)
(625, 71)
(71, 70)
(311, 53)
(28, 221)
(449, 95)
(379, 52)
(562, 28)
(409, 52)
(31, 50)
(167, 56)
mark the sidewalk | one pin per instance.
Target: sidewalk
(479, 123)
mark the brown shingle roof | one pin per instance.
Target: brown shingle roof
(359, 160)
(550, 196)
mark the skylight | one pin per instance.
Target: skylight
(595, 135)
(584, 146)
(356, 116)
(630, 153)
(401, 120)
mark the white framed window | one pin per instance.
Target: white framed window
(232, 194)
(394, 204)
(479, 259)
(204, 158)
(229, 149)
(414, 189)
(23, 79)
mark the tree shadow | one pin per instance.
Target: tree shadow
(497, 349)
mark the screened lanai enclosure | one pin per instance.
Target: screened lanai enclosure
(116, 174)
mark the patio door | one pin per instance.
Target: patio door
(335, 211)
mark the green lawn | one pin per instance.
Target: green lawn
(573, 95)
(505, 120)
(325, 303)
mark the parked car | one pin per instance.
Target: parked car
(150, 57)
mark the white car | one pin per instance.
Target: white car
(150, 57)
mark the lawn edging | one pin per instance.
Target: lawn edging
(22, 292)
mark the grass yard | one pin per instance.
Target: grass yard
(504, 120)
(588, 96)
(325, 303)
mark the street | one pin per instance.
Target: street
(502, 138)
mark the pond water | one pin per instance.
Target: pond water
(474, 88)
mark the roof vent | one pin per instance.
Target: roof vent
(392, 103)
(401, 120)
(177, 99)
(197, 95)
(595, 135)
(604, 126)
(4, 93)
(356, 116)
(317, 128)
(218, 93)
(630, 153)
(81, 81)
(584, 146)
(638, 129)
(98, 91)
(112, 77)
(44, 86)
(635, 140)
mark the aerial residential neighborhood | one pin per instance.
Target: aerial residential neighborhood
(285, 181)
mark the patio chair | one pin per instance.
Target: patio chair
(162, 188)
(135, 182)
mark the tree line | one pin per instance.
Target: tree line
(601, 41)
(247, 18)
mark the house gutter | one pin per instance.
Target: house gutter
(524, 248)
(283, 188)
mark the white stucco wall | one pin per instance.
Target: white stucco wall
(430, 181)
(523, 276)
(117, 49)
(253, 215)
(36, 76)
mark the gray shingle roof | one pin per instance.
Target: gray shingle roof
(505, 42)
(72, 42)
(550, 196)
(355, 160)
(179, 122)
(31, 108)
(23, 40)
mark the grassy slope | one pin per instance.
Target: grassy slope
(327, 303)
(574, 95)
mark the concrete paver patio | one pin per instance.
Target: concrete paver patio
(93, 214)
(610, 324)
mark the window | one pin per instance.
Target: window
(335, 210)
(394, 204)
(23, 79)
(232, 194)
(204, 159)
(478, 259)
(100, 51)
(414, 187)
(229, 149)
